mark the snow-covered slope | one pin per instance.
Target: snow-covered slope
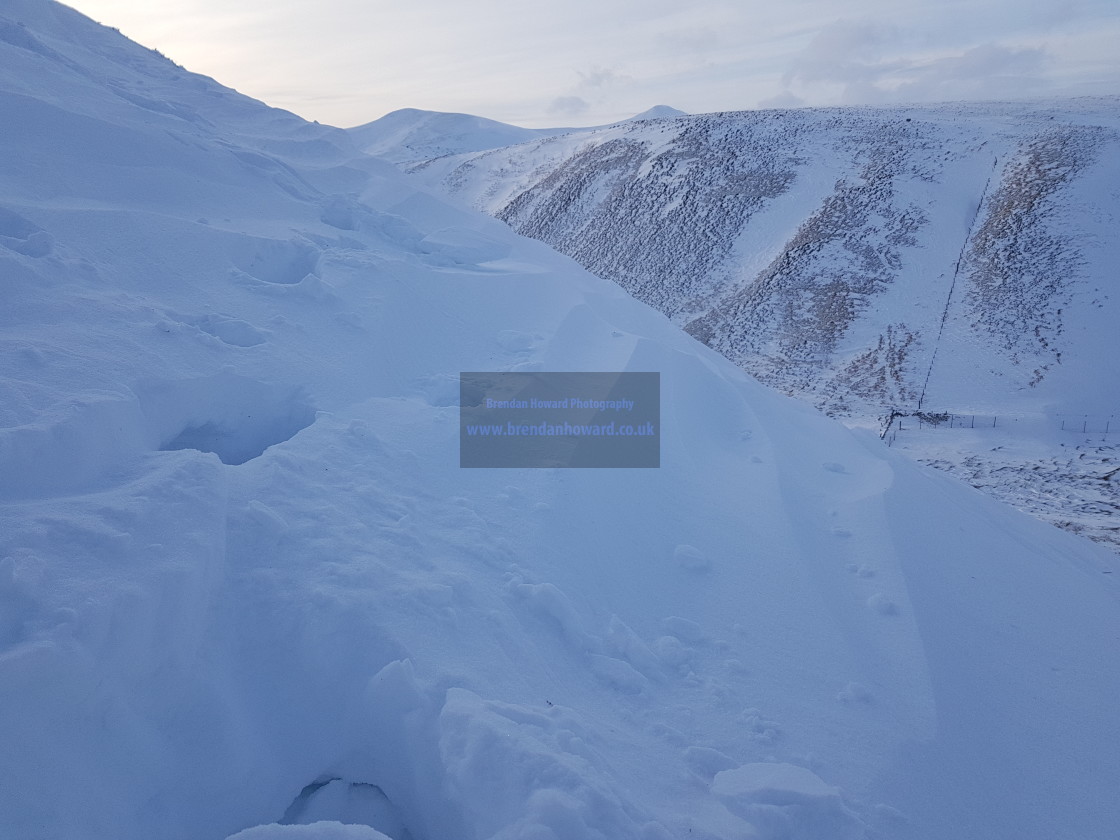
(658, 112)
(243, 580)
(411, 134)
(874, 262)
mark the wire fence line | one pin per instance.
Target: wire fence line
(1089, 423)
(1074, 423)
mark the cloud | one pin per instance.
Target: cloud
(987, 70)
(785, 99)
(870, 62)
(591, 93)
(599, 77)
(569, 106)
(348, 61)
(845, 51)
(695, 39)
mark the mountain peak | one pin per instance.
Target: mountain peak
(658, 112)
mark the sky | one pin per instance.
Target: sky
(589, 62)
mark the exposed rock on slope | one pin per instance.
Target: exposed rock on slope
(873, 262)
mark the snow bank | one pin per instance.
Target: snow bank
(246, 591)
(784, 800)
(314, 831)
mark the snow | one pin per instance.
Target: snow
(411, 134)
(782, 793)
(325, 830)
(872, 261)
(247, 592)
(657, 112)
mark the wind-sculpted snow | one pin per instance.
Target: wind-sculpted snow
(872, 262)
(246, 591)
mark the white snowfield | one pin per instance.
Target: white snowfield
(246, 591)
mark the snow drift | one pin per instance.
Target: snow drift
(246, 591)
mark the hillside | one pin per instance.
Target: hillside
(246, 590)
(876, 263)
(411, 135)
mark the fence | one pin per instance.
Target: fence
(1087, 423)
(1082, 424)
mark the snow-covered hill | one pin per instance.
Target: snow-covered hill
(658, 112)
(244, 582)
(873, 262)
(410, 135)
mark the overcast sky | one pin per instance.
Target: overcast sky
(587, 62)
